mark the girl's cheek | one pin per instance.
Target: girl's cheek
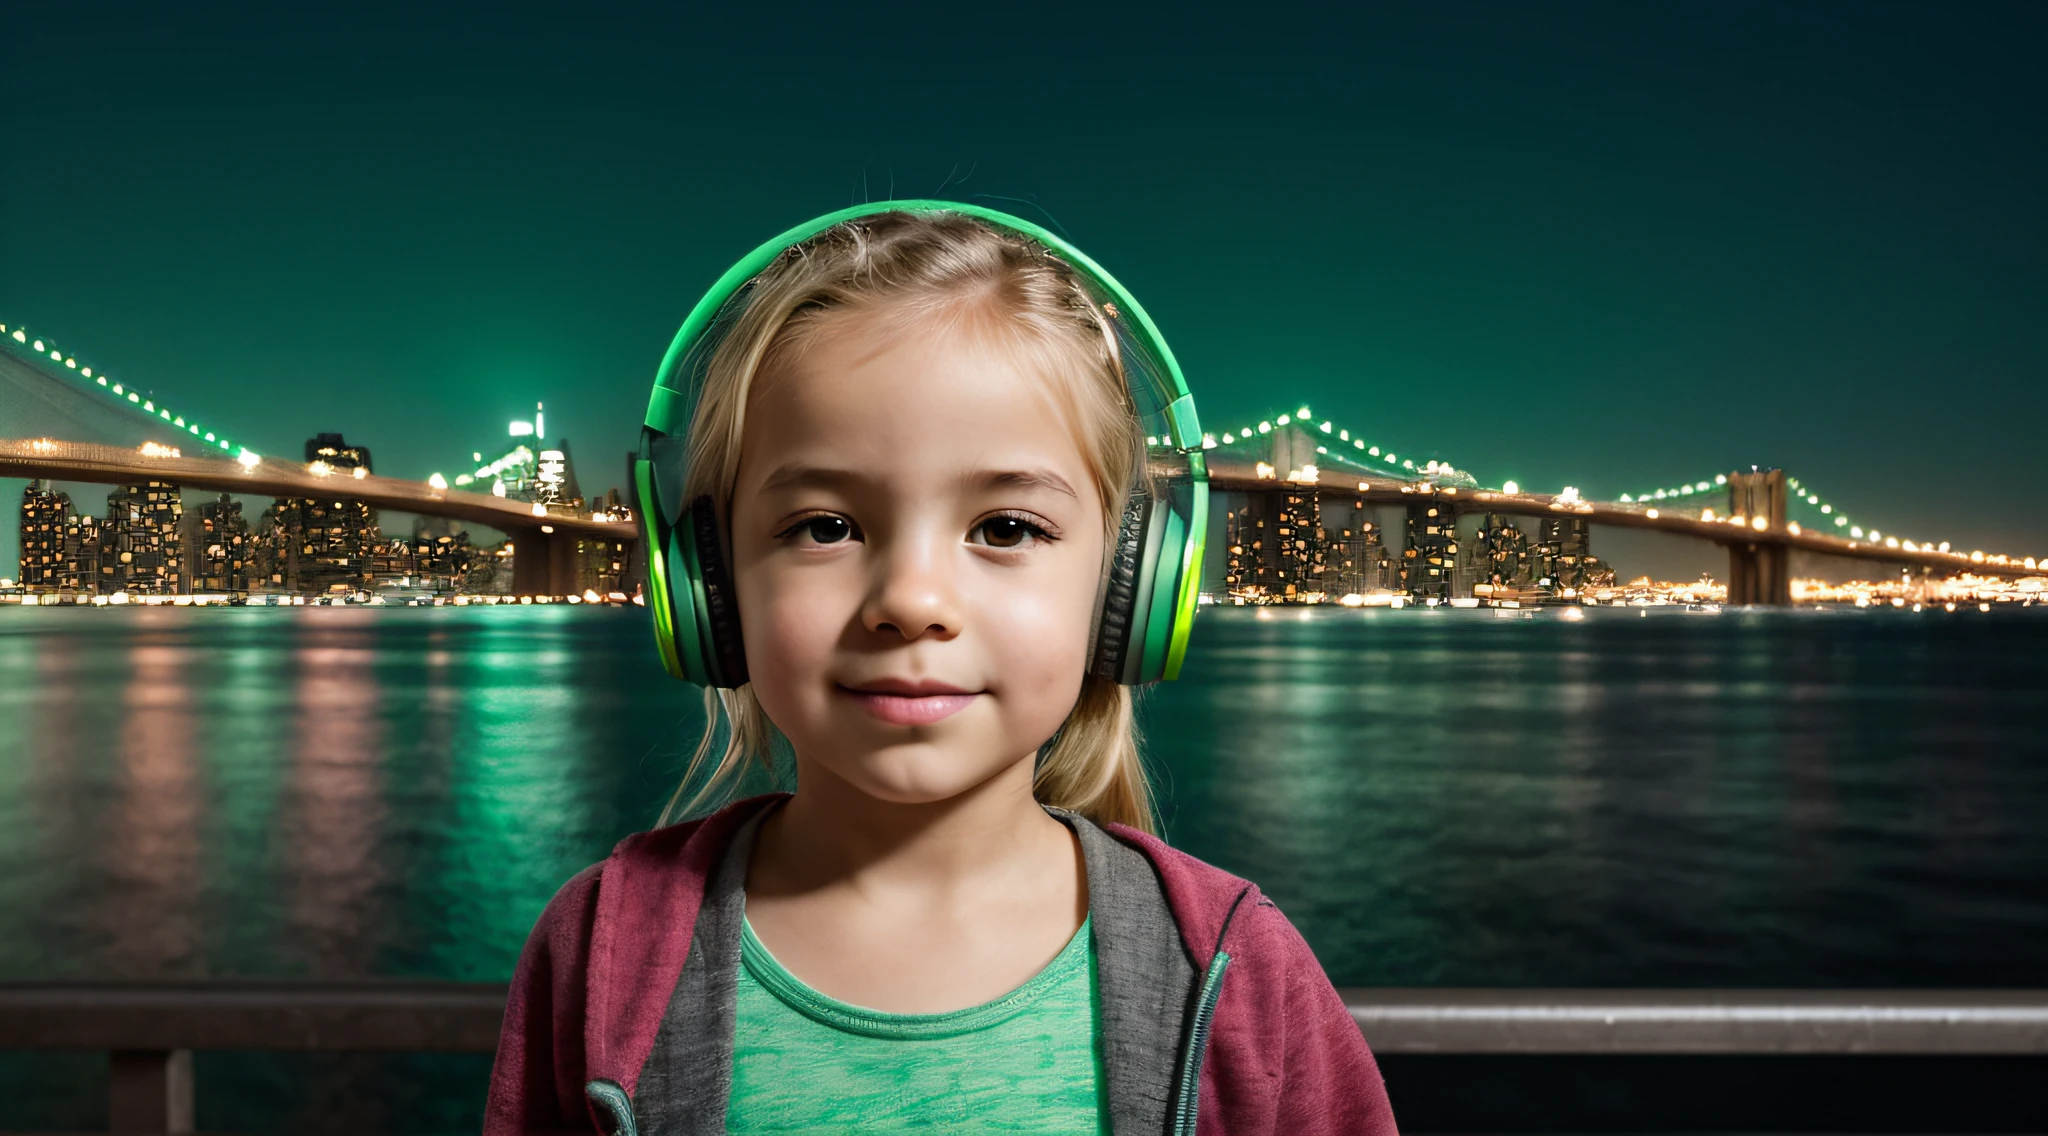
(1040, 635)
(793, 628)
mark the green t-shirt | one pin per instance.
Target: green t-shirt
(1026, 1062)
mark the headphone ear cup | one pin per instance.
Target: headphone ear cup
(1114, 630)
(725, 650)
(662, 568)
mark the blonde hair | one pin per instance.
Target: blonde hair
(945, 270)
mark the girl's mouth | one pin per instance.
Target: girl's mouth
(902, 704)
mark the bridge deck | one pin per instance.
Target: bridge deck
(1228, 477)
(112, 465)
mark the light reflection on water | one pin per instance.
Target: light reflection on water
(1434, 798)
(1745, 799)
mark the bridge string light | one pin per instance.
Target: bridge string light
(120, 394)
(1834, 521)
(1804, 495)
(1361, 450)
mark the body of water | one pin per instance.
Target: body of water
(1468, 798)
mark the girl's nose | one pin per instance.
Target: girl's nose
(913, 593)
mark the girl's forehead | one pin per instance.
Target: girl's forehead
(945, 404)
(921, 375)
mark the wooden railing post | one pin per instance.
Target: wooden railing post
(149, 1090)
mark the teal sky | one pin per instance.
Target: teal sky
(1611, 246)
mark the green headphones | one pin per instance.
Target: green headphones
(1154, 569)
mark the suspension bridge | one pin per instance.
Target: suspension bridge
(66, 421)
(63, 420)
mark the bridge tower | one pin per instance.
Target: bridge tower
(1759, 569)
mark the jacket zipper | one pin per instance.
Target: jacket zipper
(1189, 1097)
(1198, 1044)
(611, 1101)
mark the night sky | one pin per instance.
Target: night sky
(1611, 246)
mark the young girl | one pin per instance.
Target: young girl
(922, 495)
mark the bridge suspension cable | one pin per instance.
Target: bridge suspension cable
(18, 340)
(1301, 418)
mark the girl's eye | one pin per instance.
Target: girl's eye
(822, 529)
(1009, 532)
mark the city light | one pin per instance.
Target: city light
(437, 481)
(1510, 488)
(359, 473)
(248, 459)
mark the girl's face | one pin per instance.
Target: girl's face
(917, 542)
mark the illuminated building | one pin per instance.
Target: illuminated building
(321, 544)
(530, 470)
(607, 566)
(1275, 543)
(1297, 541)
(225, 548)
(336, 452)
(1253, 567)
(1427, 563)
(85, 569)
(1563, 559)
(1243, 536)
(1501, 552)
(140, 544)
(554, 482)
(43, 512)
(1357, 561)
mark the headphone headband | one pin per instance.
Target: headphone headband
(668, 407)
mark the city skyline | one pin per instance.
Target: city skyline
(537, 470)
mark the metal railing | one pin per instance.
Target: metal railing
(1760, 1022)
(149, 1030)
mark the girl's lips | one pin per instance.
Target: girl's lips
(911, 709)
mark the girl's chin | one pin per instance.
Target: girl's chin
(927, 775)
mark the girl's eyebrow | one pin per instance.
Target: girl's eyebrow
(795, 475)
(1022, 479)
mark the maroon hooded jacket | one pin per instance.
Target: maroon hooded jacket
(1230, 1026)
